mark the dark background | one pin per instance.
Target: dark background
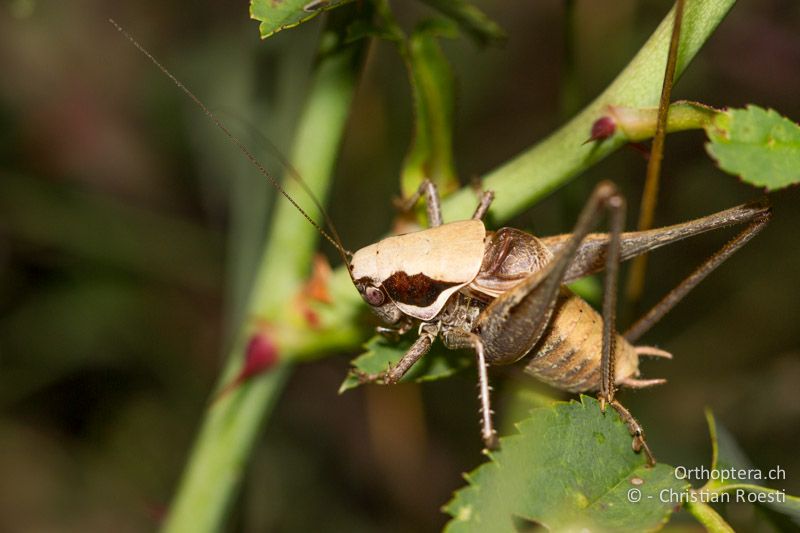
(127, 240)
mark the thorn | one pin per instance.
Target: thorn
(260, 356)
(603, 128)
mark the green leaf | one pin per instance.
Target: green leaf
(431, 152)
(474, 22)
(759, 145)
(727, 456)
(570, 468)
(277, 15)
(436, 364)
(725, 452)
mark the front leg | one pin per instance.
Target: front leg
(396, 372)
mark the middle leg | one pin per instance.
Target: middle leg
(486, 199)
(456, 339)
(432, 202)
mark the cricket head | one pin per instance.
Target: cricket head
(416, 273)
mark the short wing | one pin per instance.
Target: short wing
(511, 256)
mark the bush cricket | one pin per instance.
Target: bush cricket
(502, 293)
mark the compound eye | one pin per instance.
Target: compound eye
(374, 296)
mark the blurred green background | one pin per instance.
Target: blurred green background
(129, 231)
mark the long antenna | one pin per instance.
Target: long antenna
(295, 174)
(335, 240)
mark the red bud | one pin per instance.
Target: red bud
(602, 129)
(260, 355)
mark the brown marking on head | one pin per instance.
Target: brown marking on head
(418, 290)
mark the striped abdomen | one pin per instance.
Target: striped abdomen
(568, 354)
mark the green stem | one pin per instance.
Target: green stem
(217, 463)
(432, 87)
(640, 124)
(707, 516)
(527, 178)
(232, 423)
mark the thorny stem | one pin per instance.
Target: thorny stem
(528, 177)
(217, 463)
(216, 466)
(650, 193)
(640, 124)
